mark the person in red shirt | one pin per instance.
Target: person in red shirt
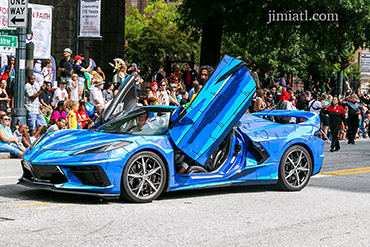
(82, 117)
(189, 76)
(336, 116)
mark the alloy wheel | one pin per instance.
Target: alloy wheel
(145, 177)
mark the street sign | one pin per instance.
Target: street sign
(8, 32)
(9, 41)
(17, 13)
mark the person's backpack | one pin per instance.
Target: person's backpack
(311, 106)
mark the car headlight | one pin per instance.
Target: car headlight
(103, 148)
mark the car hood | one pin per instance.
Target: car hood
(75, 140)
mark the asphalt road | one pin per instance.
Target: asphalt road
(333, 210)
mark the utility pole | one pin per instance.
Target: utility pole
(20, 77)
(340, 82)
(17, 18)
(29, 46)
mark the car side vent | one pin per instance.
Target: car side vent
(259, 153)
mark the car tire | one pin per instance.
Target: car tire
(295, 168)
(144, 178)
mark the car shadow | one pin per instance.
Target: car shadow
(21, 193)
(173, 195)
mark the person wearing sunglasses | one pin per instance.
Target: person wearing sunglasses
(7, 142)
(164, 97)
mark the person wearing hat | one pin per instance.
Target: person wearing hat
(133, 67)
(60, 93)
(96, 94)
(79, 70)
(138, 79)
(66, 66)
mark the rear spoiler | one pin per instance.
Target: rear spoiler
(312, 118)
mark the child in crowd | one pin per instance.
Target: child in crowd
(82, 118)
(72, 116)
(47, 72)
(60, 94)
(74, 92)
(59, 125)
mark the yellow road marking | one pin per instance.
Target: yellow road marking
(346, 172)
(33, 204)
(56, 206)
(349, 170)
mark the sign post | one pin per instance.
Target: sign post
(17, 13)
(17, 17)
(20, 79)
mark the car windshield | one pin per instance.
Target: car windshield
(140, 122)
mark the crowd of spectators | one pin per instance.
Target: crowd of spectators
(178, 89)
(75, 102)
(78, 98)
(81, 94)
(342, 117)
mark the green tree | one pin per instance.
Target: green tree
(297, 47)
(152, 35)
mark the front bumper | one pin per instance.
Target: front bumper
(44, 186)
(76, 179)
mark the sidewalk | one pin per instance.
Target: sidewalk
(4, 155)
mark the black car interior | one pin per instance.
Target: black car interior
(214, 162)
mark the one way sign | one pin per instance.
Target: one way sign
(17, 13)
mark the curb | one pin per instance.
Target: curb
(4, 156)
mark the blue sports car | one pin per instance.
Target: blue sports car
(137, 153)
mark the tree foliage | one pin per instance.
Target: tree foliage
(294, 47)
(155, 33)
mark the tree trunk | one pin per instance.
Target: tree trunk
(340, 83)
(211, 41)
